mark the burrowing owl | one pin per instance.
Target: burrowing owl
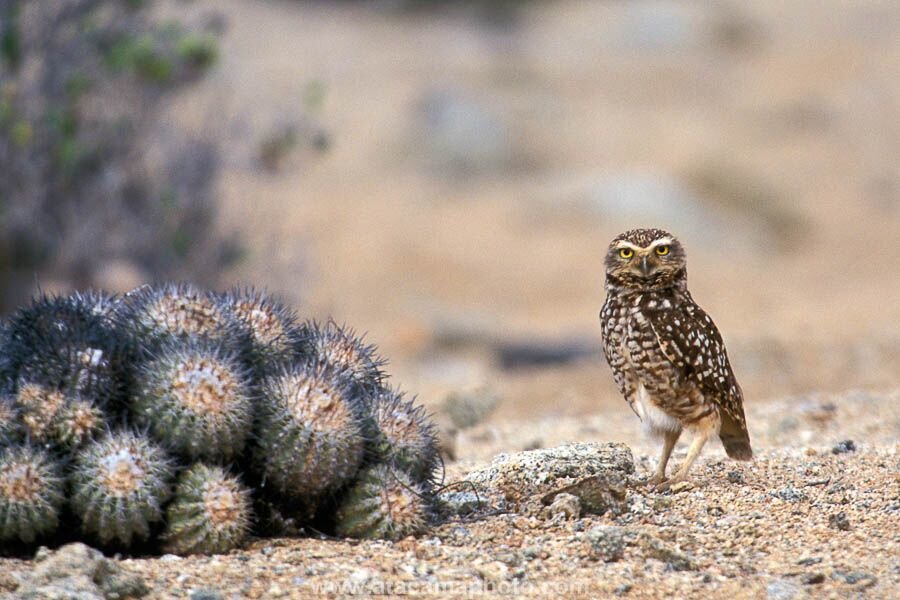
(666, 354)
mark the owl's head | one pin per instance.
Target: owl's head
(645, 259)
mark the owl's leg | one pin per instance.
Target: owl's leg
(671, 438)
(702, 430)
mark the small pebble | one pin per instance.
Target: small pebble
(863, 580)
(839, 521)
(607, 542)
(735, 477)
(682, 486)
(205, 594)
(170, 558)
(789, 494)
(844, 447)
(781, 589)
(813, 578)
(566, 506)
(622, 589)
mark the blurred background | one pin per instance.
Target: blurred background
(446, 176)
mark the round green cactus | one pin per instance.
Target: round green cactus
(195, 397)
(78, 422)
(119, 486)
(271, 326)
(180, 310)
(344, 351)
(31, 493)
(48, 415)
(311, 436)
(38, 406)
(68, 344)
(404, 436)
(384, 503)
(210, 513)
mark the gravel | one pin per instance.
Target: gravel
(773, 532)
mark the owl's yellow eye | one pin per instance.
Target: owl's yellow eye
(626, 252)
(662, 250)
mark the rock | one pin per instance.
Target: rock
(206, 594)
(467, 409)
(607, 542)
(839, 521)
(510, 480)
(654, 547)
(596, 494)
(493, 573)
(461, 503)
(789, 494)
(781, 589)
(682, 486)
(844, 447)
(813, 578)
(78, 572)
(859, 579)
(564, 505)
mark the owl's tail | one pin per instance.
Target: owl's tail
(735, 437)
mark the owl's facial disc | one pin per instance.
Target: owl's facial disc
(651, 264)
(639, 261)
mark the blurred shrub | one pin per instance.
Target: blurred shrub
(82, 83)
(280, 144)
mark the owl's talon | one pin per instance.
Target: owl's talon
(663, 486)
(654, 480)
(674, 484)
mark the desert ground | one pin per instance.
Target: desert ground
(473, 176)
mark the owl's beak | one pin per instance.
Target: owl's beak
(646, 267)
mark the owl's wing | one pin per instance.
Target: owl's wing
(693, 345)
(612, 351)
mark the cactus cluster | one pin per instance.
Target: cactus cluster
(180, 420)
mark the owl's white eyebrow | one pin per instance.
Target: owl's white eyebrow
(624, 244)
(661, 242)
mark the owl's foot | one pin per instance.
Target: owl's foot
(654, 480)
(668, 484)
